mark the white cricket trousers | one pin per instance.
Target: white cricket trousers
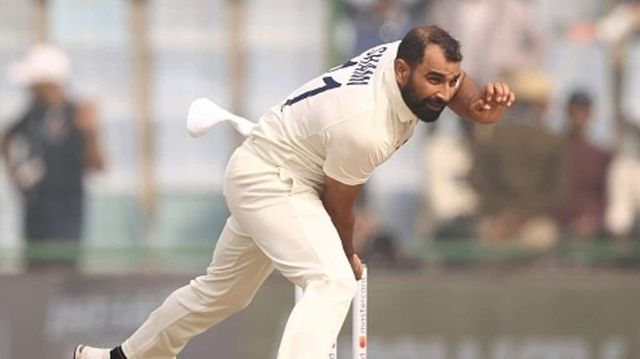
(276, 223)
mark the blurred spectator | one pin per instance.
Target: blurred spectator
(520, 172)
(451, 202)
(623, 187)
(498, 37)
(622, 216)
(583, 213)
(621, 21)
(49, 148)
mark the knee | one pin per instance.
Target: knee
(209, 295)
(340, 287)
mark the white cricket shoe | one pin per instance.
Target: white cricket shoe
(87, 352)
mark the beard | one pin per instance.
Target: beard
(427, 109)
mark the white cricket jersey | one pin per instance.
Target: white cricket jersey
(342, 124)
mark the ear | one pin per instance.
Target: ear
(402, 70)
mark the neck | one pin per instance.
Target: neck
(577, 133)
(51, 101)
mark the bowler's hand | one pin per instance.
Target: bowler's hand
(488, 108)
(356, 265)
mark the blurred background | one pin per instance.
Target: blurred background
(517, 240)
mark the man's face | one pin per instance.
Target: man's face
(579, 115)
(48, 92)
(428, 87)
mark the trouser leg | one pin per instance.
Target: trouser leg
(236, 272)
(294, 230)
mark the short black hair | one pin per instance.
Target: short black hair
(415, 42)
(580, 98)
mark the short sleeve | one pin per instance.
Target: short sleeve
(351, 152)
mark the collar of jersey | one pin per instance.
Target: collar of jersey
(397, 103)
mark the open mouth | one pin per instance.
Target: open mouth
(433, 106)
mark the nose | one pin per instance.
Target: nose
(445, 92)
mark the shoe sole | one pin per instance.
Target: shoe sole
(77, 351)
